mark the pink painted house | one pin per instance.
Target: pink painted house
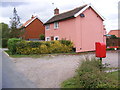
(83, 26)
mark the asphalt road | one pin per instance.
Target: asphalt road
(10, 77)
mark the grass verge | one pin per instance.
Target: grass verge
(90, 74)
(22, 56)
(42, 55)
(72, 82)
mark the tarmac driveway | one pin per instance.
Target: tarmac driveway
(50, 71)
(11, 77)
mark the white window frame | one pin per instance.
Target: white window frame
(56, 37)
(46, 39)
(47, 26)
(56, 26)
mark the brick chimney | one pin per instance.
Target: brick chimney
(56, 11)
(32, 16)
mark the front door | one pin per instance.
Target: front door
(52, 38)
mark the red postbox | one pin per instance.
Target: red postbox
(100, 50)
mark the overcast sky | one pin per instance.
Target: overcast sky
(44, 9)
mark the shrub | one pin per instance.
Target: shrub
(42, 37)
(0, 43)
(33, 44)
(66, 42)
(12, 44)
(89, 75)
(4, 42)
(55, 47)
(58, 47)
(30, 47)
(43, 49)
(47, 43)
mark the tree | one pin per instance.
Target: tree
(42, 37)
(15, 31)
(0, 30)
(4, 30)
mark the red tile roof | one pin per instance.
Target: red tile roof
(114, 32)
(29, 21)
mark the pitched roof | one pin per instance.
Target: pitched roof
(70, 14)
(114, 32)
(30, 21)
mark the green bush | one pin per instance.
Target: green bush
(58, 47)
(0, 43)
(34, 44)
(4, 42)
(44, 47)
(90, 75)
(47, 43)
(12, 44)
(42, 37)
(66, 42)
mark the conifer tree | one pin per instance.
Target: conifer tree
(15, 31)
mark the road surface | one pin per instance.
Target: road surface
(10, 77)
(50, 71)
(46, 72)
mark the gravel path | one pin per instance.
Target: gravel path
(50, 71)
(113, 58)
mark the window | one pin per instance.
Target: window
(47, 27)
(56, 25)
(56, 38)
(47, 38)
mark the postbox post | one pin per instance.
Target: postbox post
(100, 63)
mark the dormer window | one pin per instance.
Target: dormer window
(56, 25)
(47, 27)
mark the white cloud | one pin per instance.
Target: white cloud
(44, 9)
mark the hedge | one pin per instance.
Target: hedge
(43, 47)
(12, 45)
(4, 42)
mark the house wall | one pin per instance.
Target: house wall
(89, 30)
(83, 32)
(33, 30)
(66, 30)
